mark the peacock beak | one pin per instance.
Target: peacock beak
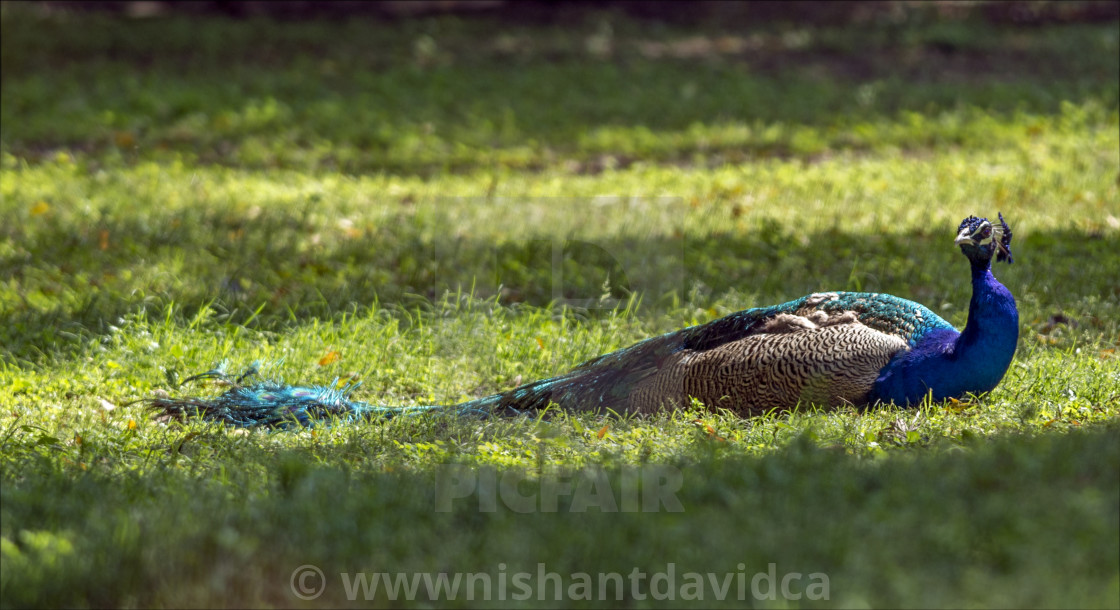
(964, 236)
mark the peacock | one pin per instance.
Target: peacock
(827, 349)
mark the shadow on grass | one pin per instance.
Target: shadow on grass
(1032, 519)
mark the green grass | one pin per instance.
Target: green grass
(177, 192)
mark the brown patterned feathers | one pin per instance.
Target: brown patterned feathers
(818, 359)
(826, 349)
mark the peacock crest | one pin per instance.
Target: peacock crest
(986, 236)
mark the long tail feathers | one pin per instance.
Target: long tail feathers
(267, 402)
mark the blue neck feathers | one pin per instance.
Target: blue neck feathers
(949, 364)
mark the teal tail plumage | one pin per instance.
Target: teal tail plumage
(269, 402)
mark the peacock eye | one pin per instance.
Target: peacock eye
(986, 232)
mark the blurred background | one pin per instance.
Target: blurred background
(316, 155)
(699, 12)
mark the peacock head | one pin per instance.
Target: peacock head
(980, 239)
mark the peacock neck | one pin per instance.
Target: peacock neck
(984, 349)
(948, 364)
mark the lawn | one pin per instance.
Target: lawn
(442, 208)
